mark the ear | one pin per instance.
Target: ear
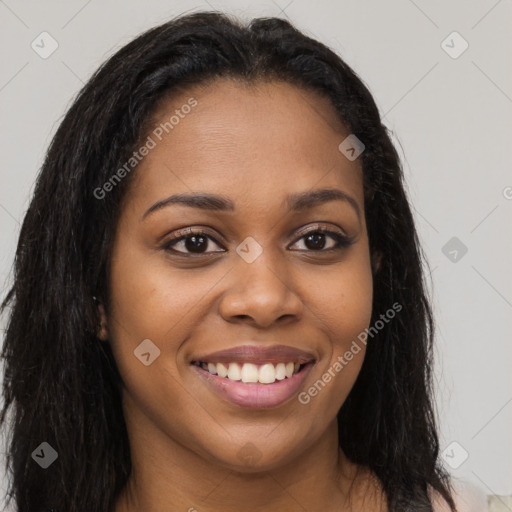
(376, 261)
(102, 332)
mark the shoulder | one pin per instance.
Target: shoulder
(467, 498)
(440, 505)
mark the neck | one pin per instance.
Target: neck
(169, 476)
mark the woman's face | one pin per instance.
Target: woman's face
(256, 287)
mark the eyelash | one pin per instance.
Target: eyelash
(342, 242)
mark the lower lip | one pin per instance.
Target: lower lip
(256, 395)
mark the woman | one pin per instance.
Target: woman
(218, 300)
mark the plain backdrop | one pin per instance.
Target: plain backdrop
(449, 107)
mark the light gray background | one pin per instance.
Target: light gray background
(451, 121)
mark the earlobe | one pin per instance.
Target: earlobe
(376, 260)
(102, 332)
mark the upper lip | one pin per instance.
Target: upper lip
(258, 354)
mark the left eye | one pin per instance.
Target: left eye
(196, 242)
(318, 237)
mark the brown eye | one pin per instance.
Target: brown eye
(317, 240)
(194, 242)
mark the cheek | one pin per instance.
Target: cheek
(343, 308)
(342, 301)
(144, 307)
(152, 300)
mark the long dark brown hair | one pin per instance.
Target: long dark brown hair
(61, 386)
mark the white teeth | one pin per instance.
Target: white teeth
(251, 373)
(234, 372)
(222, 370)
(267, 374)
(280, 371)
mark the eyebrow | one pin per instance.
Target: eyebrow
(296, 202)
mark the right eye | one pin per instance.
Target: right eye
(191, 241)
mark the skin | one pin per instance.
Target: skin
(253, 144)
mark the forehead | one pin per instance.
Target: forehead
(251, 140)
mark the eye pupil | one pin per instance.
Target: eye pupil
(316, 238)
(193, 242)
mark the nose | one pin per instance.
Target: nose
(260, 293)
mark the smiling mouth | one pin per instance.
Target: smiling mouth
(249, 373)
